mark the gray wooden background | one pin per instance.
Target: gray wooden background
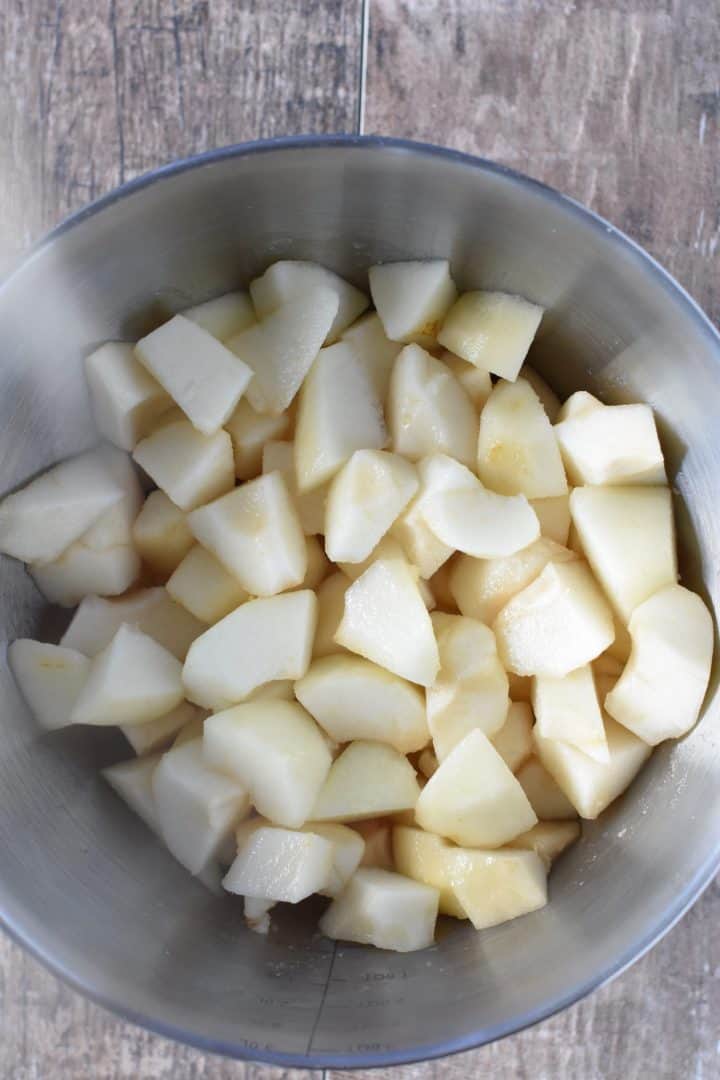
(616, 102)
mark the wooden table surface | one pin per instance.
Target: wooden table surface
(616, 102)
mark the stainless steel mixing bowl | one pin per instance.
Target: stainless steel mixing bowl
(83, 884)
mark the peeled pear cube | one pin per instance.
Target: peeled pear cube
(427, 858)
(548, 398)
(161, 534)
(475, 381)
(290, 279)
(438, 473)
(428, 410)
(579, 402)
(348, 848)
(281, 865)
(204, 587)
(97, 620)
(364, 499)
(375, 350)
(133, 680)
(554, 517)
(387, 548)
(478, 522)
(377, 836)
(197, 807)
(482, 587)
(517, 452)
(386, 621)
(514, 740)
(261, 641)
(156, 734)
(353, 699)
(471, 690)
(191, 468)
(473, 798)
(614, 444)
(71, 495)
(125, 399)
(339, 413)
(558, 623)
(223, 316)
(310, 505)
(412, 298)
(383, 909)
(255, 532)
(282, 347)
(546, 798)
(568, 709)
(628, 537)
(491, 330)
(132, 780)
(494, 886)
(367, 780)
(548, 839)
(274, 749)
(250, 431)
(331, 608)
(661, 690)
(50, 679)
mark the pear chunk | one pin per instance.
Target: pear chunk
(191, 468)
(514, 741)
(494, 886)
(491, 330)
(412, 298)
(250, 431)
(203, 586)
(161, 534)
(478, 522)
(364, 499)
(613, 444)
(374, 349)
(546, 798)
(568, 709)
(50, 679)
(126, 400)
(548, 839)
(383, 909)
(367, 780)
(290, 279)
(281, 865)
(132, 781)
(97, 620)
(223, 316)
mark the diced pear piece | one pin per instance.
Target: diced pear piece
(482, 587)
(412, 298)
(438, 473)
(514, 741)
(71, 496)
(50, 679)
(478, 522)
(556, 624)
(197, 806)
(197, 371)
(613, 444)
(548, 398)
(375, 350)
(427, 858)
(628, 536)
(155, 734)
(579, 402)
(281, 864)
(568, 709)
(223, 316)
(262, 640)
(131, 681)
(250, 431)
(274, 749)
(548, 839)
(517, 452)
(348, 848)
(331, 608)
(592, 785)
(161, 534)
(428, 410)
(132, 781)
(204, 587)
(377, 836)
(471, 690)
(367, 780)
(255, 532)
(661, 690)
(385, 620)
(473, 798)
(475, 381)
(364, 499)
(310, 505)
(546, 798)
(353, 699)
(97, 620)
(281, 349)
(554, 517)
(339, 413)
(290, 279)
(494, 886)
(491, 330)
(191, 468)
(125, 399)
(387, 548)
(383, 909)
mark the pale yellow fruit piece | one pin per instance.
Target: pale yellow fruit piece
(250, 431)
(223, 316)
(549, 399)
(383, 909)
(281, 865)
(475, 381)
(97, 620)
(613, 444)
(495, 886)
(427, 858)
(204, 587)
(364, 499)
(348, 848)
(125, 399)
(280, 456)
(579, 402)
(480, 523)
(375, 350)
(191, 468)
(132, 781)
(546, 798)
(292, 279)
(50, 679)
(548, 839)
(554, 517)
(412, 298)
(155, 734)
(331, 608)
(367, 780)
(161, 534)
(568, 708)
(491, 330)
(514, 741)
